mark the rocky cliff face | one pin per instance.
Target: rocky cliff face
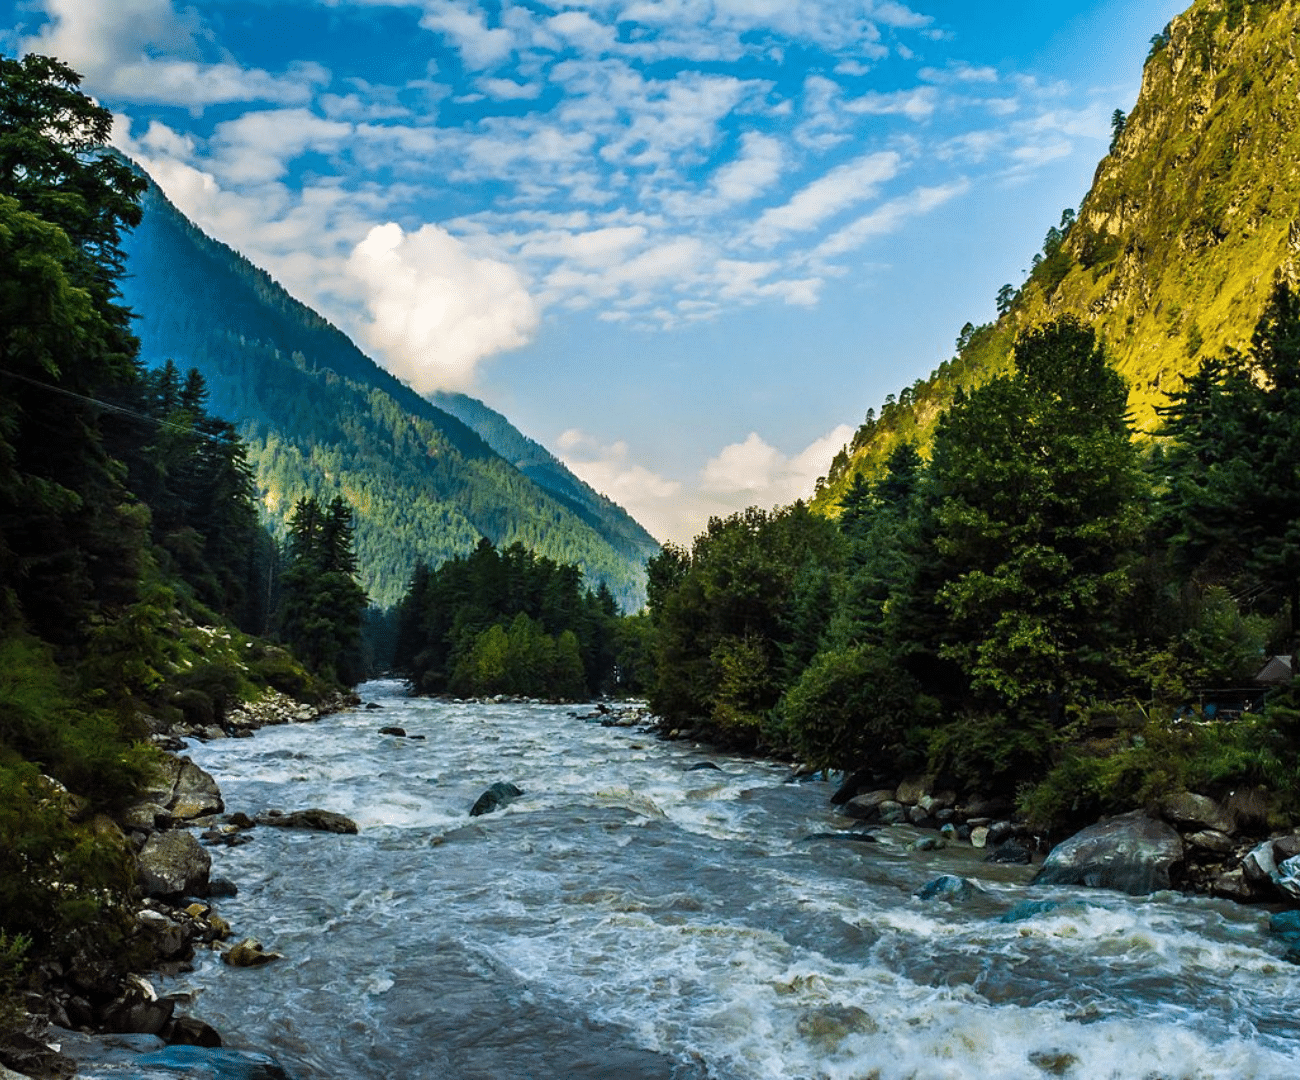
(1189, 220)
(1198, 207)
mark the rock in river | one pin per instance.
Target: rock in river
(1132, 853)
(174, 864)
(500, 794)
(317, 820)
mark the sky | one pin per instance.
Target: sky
(685, 244)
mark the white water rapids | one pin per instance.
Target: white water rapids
(631, 918)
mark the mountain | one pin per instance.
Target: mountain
(320, 417)
(548, 472)
(1174, 250)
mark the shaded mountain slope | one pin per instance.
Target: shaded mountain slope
(321, 418)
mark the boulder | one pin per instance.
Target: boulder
(393, 729)
(1233, 885)
(1193, 813)
(249, 953)
(1211, 841)
(173, 864)
(854, 784)
(979, 836)
(1011, 852)
(168, 937)
(502, 793)
(917, 816)
(892, 812)
(191, 1031)
(866, 807)
(941, 800)
(1132, 853)
(314, 819)
(948, 887)
(1288, 878)
(138, 1010)
(911, 790)
(1259, 867)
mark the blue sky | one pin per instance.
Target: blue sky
(686, 244)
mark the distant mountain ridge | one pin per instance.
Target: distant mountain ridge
(1190, 218)
(320, 417)
(546, 470)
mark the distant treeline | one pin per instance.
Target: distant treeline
(513, 622)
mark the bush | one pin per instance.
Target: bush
(855, 707)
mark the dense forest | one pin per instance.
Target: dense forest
(1034, 612)
(513, 622)
(134, 571)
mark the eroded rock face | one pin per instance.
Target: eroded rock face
(180, 791)
(1132, 853)
(174, 864)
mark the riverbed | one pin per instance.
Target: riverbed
(639, 914)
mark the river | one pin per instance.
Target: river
(634, 918)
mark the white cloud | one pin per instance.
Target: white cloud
(887, 218)
(465, 24)
(435, 309)
(145, 51)
(825, 197)
(917, 104)
(258, 146)
(652, 499)
(755, 473)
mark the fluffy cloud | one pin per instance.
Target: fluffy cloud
(435, 308)
(755, 473)
(887, 218)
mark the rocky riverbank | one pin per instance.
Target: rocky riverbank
(83, 1002)
(1185, 841)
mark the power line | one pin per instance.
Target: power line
(110, 407)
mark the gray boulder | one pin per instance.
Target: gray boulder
(1194, 813)
(1132, 853)
(173, 864)
(866, 807)
(499, 795)
(948, 887)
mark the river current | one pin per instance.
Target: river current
(634, 918)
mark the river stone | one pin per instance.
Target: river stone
(1259, 867)
(500, 794)
(917, 816)
(1288, 878)
(392, 729)
(173, 864)
(1211, 840)
(1132, 853)
(1193, 813)
(167, 936)
(1010, 852)
(979, 836)
(865, 807)
(892, 812)
(249, 953)
(1028, 909)
(1232, 885)
(949, 887)
(913, 788)
(315, 819)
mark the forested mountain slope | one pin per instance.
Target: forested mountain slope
(549, 473)
(1174, 250)
(320, 418)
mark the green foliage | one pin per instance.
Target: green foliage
(509, 622)
(1037, 483)
(13, 952)
(61, 880)
(322, 604)
(738, 618)
(856, 706)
